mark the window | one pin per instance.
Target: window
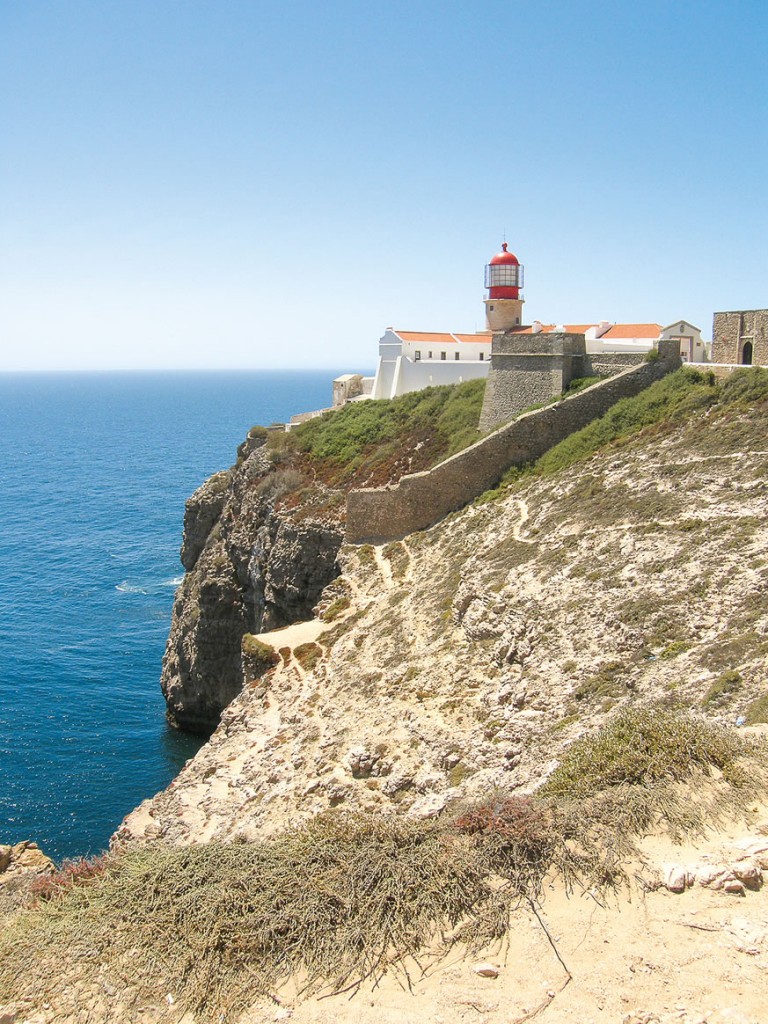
(482, 356)
(442, 355)
(456, 355)
(429, 354)
(417, 355)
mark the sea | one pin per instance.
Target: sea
(96, 468)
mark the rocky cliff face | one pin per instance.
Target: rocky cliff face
(471, 654)
(252, 564)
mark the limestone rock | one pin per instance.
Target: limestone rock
(24, 858)
(250, 567)
(676, 877)
(486, 970)
(748, 871)
(202, 510)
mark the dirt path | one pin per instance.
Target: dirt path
(383, 565)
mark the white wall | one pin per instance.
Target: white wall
(693, 348)
(399, 371)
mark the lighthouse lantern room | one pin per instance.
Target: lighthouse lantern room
(504, 279)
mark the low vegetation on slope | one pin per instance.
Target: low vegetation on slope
(345, 897)
(373, 442)
(669, 401)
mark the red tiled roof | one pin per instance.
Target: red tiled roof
(479, 337)
(427, 337)
(632, 331)
(442, 338)
(617, 331)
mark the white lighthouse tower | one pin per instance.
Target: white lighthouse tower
(504, 279)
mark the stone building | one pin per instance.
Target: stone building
(740, 336)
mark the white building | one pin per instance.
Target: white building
(412, 360)
(629, 338)
(693, 348)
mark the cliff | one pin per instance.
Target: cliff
(468, 657)
(261, 539)
(250, 566)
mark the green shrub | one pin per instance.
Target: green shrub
(674, 397)
(580, 383)
(308, 655)
(438, 421)
(757, 711)
(722, 688)
(258, 657)
(676, 647)
(605, 683)
(642, 746)
(279, 483)
(335, 608)
(746, 386)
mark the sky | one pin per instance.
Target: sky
(194, 184)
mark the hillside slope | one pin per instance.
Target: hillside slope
(261, 539)
(622, 582)
(471, 655)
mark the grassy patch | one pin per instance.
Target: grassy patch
(376, 441)
(580, 383)
(607, 682)
(397, 555)
(335, 608)
(676, 647)
(258, 657)
(347, 897)
(671, 399)
(727, 654)
(342, 898)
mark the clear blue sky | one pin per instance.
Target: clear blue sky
(222, 183)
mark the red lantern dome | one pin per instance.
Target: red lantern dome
(504, 275)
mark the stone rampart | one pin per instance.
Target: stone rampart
(605, 364)
(528, 369)
(419, 500)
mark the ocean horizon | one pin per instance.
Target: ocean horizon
(97, 468)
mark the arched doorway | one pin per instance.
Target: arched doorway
(746, 354)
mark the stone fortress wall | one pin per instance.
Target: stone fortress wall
(732, 331)
(528, 369)
(420, 500)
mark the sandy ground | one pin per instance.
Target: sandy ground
(649, 955)
(698, 957)
(294, 635)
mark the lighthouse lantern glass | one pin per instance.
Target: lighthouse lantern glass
(504, 275)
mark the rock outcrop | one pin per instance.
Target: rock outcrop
(20, 866)
(252, 564)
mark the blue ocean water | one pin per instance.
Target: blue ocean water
(95, 472)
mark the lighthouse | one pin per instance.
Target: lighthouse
(504, 279)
